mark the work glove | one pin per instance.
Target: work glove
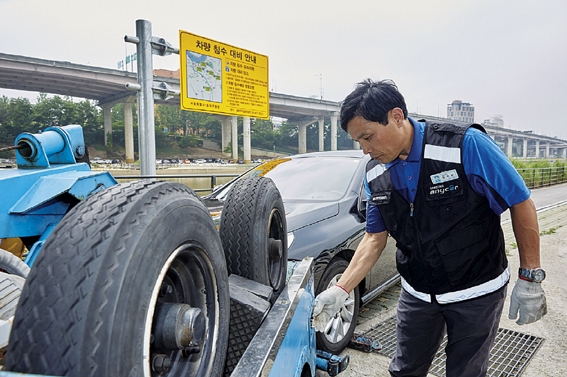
(529, 299)
(327, 304)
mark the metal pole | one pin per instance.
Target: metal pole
(146, 125)
(246, 139)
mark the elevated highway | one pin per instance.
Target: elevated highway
(108, 87)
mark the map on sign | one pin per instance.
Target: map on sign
(204, 77)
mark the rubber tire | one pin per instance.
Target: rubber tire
(253, 216)
(87, 306)
(333, 341)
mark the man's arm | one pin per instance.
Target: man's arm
(367, 253)
(527, 298)
(330, 301)
(526, 231)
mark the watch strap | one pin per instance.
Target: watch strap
(530, 275)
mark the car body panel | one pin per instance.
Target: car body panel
(302, 214)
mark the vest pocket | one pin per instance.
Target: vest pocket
(461, 252)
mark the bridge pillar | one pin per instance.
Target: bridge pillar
(334, 121)
(128, 133)
(509, 146)
(234, 126)
(225, 134)
(547, 149)
(302, 138)
(246, 139)
(321, 134)
(107, 117)
(564, 152)
(537, 149)
(525, 150)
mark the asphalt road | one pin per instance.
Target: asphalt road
(545, 196)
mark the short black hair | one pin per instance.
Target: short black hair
(372, 100)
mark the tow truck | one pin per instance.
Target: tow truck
(133, 279)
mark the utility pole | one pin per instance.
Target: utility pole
(320, 85)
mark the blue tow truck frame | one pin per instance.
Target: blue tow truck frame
(47, 181)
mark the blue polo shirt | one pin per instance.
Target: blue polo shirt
(488, 170)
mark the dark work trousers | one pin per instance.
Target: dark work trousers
(471, 327)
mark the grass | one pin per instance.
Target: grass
(549, 231)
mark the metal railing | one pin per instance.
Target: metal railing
(186, 179)
(541, 177)
(534, 178)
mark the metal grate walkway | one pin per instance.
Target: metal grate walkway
(509, 355)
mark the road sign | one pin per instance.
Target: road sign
(222, 79)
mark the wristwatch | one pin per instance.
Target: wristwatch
(536, 275)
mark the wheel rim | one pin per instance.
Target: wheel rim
(340, 323)
(186, 289)
(275, 247)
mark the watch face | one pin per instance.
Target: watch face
(538, 274)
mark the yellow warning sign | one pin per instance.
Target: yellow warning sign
(222, 79)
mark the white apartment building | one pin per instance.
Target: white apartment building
(462, 111)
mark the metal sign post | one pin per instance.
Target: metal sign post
(146, 123)
(146, 46)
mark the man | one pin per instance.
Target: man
(439, 190)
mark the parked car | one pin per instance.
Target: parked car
(325, 205)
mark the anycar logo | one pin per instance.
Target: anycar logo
(440, 189)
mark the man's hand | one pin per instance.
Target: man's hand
(529, 299)
(327, 304)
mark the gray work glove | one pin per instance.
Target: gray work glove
(327, 304)
(529, 299)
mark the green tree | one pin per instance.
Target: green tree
(15, 118)
(168, 119)
(287, 135)
(54, 111)
(262, 133)
(190, 141)
(117, 114)
(89, 116)
(206, 125)
(171, 120)
(343, 139)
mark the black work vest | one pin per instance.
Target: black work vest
(448, 239)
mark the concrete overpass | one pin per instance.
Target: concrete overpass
(108, 87)
(517, 143)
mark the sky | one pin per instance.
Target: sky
(505, 57)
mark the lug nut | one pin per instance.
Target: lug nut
(161, 363)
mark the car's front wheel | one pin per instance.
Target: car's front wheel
(340, 328)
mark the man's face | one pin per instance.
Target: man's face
(381, 142)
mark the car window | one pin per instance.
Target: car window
(313, 178)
